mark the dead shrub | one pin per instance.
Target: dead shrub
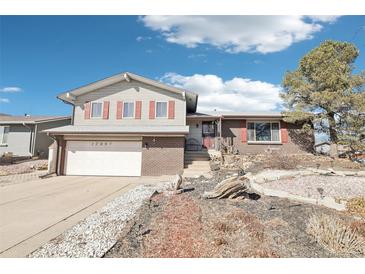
(281, 161)
(259, 253)
(334, 235)
(224, 227)
(251, 223)
(219, 242)
(359, 226)
(356, 206)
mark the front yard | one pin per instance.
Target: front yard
(166, 224)
(186, 225)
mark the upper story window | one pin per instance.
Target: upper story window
(96, 110)
(128, 109)
(263, 132)
(161, 109)
(4, 132)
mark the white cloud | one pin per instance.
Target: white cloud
(4, 100)
(237, 94)
(10, 89)
(234, 34)
(324, 18)
(143, 38)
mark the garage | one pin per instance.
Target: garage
(103, 158)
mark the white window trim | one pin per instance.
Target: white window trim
(2, 137)
(101, 112)
(167, 109)
(254, 132)
(134, 110)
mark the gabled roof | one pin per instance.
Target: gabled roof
(70, 95)
(8, 119)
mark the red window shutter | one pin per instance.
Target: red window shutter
(87, 110)
(171, 110)
(106, 110)
(119, 109)
(284, 132)
(152, 110)
(138, 110)
(244, 132)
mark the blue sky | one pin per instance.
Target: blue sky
(232, 62)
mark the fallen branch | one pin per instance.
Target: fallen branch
(231, 188)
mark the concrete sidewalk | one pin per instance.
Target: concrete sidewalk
(31, 214)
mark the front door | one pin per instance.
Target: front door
(209, 130)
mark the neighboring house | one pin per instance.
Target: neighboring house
(128, 125)
(23, 136)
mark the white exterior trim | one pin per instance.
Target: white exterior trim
(263, 142)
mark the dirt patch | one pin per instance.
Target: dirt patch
(187, 225)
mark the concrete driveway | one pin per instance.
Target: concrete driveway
(35, 212)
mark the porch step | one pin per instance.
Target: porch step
(201, 155)
(197, 164)
(196, 168)
(196, 158)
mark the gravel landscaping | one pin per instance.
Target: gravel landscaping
(187, 225)
(96, 234)
(313, 186)
(23, 167)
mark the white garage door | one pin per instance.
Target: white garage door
(105, 158)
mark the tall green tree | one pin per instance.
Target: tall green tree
(324, 91)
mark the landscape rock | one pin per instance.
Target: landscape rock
(214, 166)
(176, 182)
(231, 188)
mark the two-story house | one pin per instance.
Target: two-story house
(124, 125)
(128, 125)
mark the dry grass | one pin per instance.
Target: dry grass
(276, 222)
(336, 236)
(359, 226)
(251, 224)
(356, 206)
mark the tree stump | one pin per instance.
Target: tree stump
(233, 187)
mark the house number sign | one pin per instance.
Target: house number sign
(101, 143)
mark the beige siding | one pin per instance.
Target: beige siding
(194, 131)
(130, 91)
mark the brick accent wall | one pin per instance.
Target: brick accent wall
(297, 141)
(165, 156)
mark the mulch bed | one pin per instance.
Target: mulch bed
(186, 225)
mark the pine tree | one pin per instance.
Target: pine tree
(323, 91)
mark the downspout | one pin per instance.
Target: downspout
(31, 139)
(57, 153)
(34, 138)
